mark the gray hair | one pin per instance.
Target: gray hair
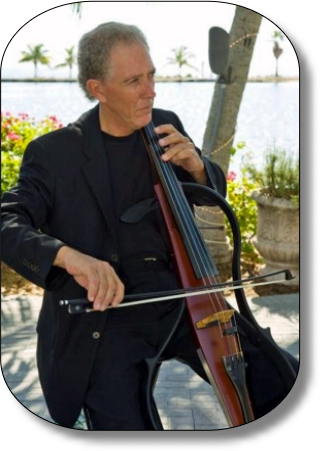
(95, 47)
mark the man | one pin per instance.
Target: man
(65, 227)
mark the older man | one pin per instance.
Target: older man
(65, 228)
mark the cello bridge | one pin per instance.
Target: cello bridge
(216, 319)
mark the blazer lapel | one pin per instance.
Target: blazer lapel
(96, 170)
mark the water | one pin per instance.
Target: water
(269, 112)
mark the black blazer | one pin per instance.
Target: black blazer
(63, 197)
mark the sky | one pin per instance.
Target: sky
(162, 22)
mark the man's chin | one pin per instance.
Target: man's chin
(144, 119)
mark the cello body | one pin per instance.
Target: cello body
(214, 333)
(211, 320)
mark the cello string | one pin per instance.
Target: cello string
(181, 205)
(197, 245)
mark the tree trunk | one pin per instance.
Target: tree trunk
(221, 124)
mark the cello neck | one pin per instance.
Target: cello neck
(196, 249)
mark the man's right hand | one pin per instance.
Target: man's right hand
(98, 277)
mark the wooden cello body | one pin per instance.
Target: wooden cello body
(211, 319)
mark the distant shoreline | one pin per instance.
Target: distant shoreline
(266, 79)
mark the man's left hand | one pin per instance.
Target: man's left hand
(181, 151)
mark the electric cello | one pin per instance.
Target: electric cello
(211, 318)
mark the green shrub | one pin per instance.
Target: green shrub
(16, 133)
(278, 176)
(239, 197)
(10, 165)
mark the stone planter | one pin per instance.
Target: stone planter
(277, 238)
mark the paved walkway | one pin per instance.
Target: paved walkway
(184, 400)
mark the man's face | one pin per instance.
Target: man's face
(128, 93)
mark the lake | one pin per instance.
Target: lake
(269, 111)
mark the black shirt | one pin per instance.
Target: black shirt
(132, 182)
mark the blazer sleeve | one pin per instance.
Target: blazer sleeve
(25, 210)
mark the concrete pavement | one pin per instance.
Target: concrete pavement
(184, 400)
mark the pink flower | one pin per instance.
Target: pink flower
(231, 176)
(23, 116)
(13, 136)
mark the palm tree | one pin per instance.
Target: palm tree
(69, 61)
(277, 50)
(77, 8)
(223, 117)
(180, 58)
(36, 55)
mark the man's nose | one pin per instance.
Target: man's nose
(149, 89)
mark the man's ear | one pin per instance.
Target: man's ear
(94, 87)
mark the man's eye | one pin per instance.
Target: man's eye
(133, 81)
